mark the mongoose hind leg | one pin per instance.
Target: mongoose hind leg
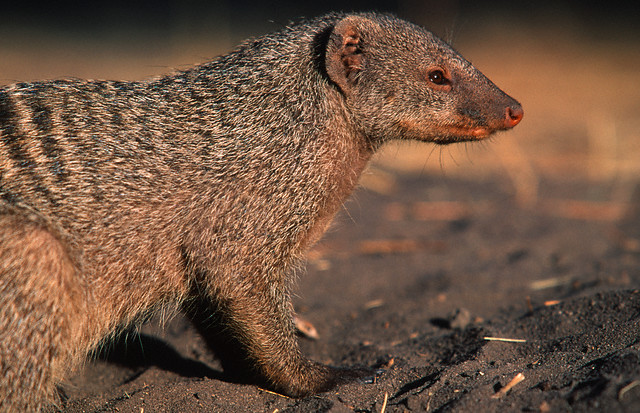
(264, 339)
(38, 306)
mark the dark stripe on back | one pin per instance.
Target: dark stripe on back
(41, 113)
(12, 138)
(11, 133)
(51, 150)
(7, 117)
(7, 196)
(43, 122)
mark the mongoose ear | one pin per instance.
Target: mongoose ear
(344, 57)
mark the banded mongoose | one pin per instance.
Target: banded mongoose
(206, 186)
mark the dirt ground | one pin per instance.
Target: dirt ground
(417, 285)
(495, 277)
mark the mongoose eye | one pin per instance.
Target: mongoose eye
(438, 77)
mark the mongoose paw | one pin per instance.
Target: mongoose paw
(329, 378)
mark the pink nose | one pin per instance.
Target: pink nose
(513, 116)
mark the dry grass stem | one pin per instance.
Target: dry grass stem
(550, 283)
(529, 305)
(369, 305)
(274, 393)
(517, 379)
(305, 327)
(507, 340)
(628, 387)
(384, 402)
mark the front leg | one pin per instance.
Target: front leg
(257, 317)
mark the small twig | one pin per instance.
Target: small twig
(628, 387)
(384, 402)
(517, 379)
(370, 305)
(550, 283)
(274, 393)
(529, 305)
(305, 327)
(508, 340)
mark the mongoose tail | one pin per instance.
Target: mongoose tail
(206, 187)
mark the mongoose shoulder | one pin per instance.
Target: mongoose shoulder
(204, 187)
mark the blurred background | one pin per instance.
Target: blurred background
(574, 66)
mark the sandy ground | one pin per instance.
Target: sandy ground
(416, 285)
(533, 237)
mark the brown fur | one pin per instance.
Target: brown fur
(206, 187)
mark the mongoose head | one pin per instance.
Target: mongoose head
(400, 81)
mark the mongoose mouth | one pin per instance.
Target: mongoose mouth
(453, 134)
(444, 134)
